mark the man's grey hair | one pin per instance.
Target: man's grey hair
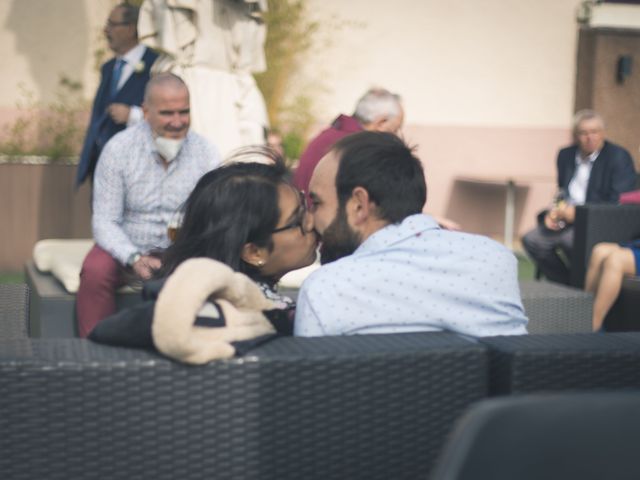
(129, 13)
(583, 115)
(377, 102)
(163, 79)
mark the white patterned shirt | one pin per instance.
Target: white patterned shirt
(580, 181)
(415, 276)
(135, 197)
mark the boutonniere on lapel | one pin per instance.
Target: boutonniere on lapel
(139, 68)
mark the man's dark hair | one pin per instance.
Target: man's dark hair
(129, 13)
(230, 206)
(386, 168)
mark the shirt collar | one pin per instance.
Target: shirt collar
(133, 56)
(591, 158)
(413, 225)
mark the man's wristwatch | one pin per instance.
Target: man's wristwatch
(133, 258)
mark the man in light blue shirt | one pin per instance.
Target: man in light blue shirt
(389, 268)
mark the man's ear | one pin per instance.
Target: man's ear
(360, 207)
(254, 255)
(377, 124)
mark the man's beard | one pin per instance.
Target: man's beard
(339, 239)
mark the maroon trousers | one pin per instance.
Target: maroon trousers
(100, 277)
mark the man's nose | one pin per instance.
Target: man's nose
(176, 119)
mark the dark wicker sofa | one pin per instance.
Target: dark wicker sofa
(369, 407)
(363, 407)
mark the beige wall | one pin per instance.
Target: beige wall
(488, 89)
(43, 39)
(488, 85)
(456, 62)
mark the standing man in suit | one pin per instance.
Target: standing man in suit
(592, 170)
(123, 80)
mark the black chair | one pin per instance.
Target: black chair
(600, 223)
(608, 223)
(14, 310)
(563, 437)
(624, 315)
(597, 223)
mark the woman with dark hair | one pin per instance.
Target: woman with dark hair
(248, 216)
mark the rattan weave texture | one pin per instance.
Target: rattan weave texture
(554, 308)
(554, 363)
(376, 407)
(373, 407)
(14, 310)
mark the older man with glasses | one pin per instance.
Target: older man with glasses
(118, 100)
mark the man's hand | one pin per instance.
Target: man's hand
(145, 266)
(119, 112)
(552, 222)
(568, 212)
(559, 217)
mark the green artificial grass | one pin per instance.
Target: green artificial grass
(11, 277)
(526, 268)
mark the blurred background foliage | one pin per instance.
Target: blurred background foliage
(291, 35)
(53, 129)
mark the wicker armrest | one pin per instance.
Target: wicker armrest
(600, 223)
(14, 311)
(556, 363)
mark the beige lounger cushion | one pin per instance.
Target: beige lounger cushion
(63, 259)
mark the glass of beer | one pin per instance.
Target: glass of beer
(174, 225)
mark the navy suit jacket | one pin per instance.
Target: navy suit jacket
(612, 173)
(101, 126)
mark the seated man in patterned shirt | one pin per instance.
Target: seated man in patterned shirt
(389, 268)
(144, 174)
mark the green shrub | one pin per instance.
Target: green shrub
(290, 37)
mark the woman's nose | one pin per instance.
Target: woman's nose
(308, 221)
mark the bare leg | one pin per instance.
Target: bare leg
(618, 264)
(599, 254)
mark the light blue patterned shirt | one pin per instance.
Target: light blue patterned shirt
(135, 197)
(413, 277)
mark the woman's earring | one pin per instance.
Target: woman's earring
(260, 263)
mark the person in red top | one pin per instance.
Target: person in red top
(378, 110)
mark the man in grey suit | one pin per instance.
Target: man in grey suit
(592, 170)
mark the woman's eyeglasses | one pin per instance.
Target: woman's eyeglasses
(298, 221)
